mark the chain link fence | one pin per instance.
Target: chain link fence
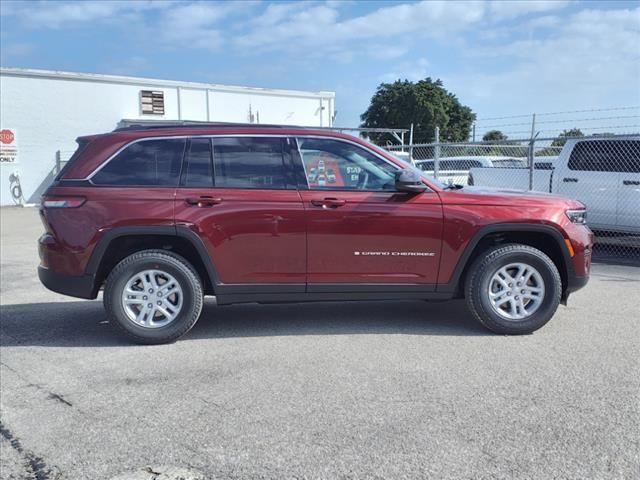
(603, 172)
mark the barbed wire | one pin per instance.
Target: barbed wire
(573, 120)
(610, 127)
(529, 115)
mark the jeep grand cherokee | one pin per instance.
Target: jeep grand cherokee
(158, 217)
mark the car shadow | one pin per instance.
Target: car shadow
(84, 324)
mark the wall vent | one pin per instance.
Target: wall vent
(152, 102)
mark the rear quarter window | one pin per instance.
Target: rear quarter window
(82, 144)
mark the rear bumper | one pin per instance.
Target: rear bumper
(74, 286)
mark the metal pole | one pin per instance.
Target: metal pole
(58, 162)
(531, 151)
(474, 131)
(411, 145)
(436, 156)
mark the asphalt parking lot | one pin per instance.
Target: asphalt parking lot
(400, 389)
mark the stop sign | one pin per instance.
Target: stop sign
(6, 136)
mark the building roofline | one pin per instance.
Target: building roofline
(142, 81)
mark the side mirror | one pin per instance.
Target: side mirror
(409, 181)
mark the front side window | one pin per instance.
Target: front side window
(606, 156)
(145, 163)
(337, 165)
(241, 162)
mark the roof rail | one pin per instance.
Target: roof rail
(129, 125)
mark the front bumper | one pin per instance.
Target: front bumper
(576, 283)
(74, 286)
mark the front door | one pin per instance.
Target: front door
(237, 196)
(362, 235)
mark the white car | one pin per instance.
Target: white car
(456, 169)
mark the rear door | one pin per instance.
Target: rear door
(362, 234)
(136, 187)
(593, 177)
(236, 194)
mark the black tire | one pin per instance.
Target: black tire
(174, 265)
(479, 277)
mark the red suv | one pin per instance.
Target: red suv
(158, 217)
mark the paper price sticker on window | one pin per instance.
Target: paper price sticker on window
(8, 146)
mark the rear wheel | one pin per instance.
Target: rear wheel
(513, 289)
(153, 296)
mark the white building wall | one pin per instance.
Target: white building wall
(193, 104)
(49, 110)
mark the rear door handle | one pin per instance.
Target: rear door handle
(204, 201)
(329, 202)
(631, 182)
(570, 180)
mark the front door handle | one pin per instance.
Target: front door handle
(570, 180)
(328, 202)
(631, 182)
(204, 201)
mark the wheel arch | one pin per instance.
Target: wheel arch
(120, 242)
(545, 238)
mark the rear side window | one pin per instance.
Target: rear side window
(145, 163)
(198, 167)
(606, 156)
(462, 164)
(241, 162)
(459, 164)
(511, 162)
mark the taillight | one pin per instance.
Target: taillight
(63, 202)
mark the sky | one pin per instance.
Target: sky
(499, 58)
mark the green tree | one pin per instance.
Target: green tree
(562, 138)
(425, 103)
(494, 136)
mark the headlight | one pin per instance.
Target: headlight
(577, 216)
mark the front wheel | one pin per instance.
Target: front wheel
(513, 289)
(153, 296)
